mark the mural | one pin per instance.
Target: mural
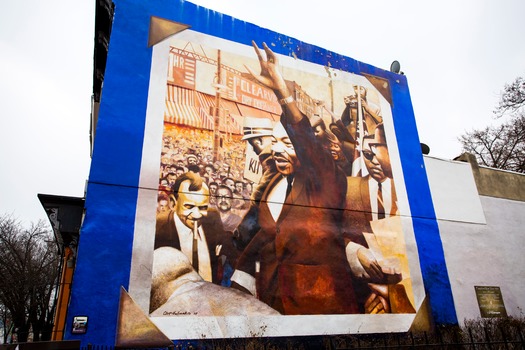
(275, 196)
(239, 189)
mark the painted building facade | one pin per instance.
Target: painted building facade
(186, 92)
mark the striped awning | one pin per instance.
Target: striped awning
(182, 114)
(234, 118)
(194, 108)
(237, 123)
(230, 106)
(205, 101)
(230, 122)
(208, 101)
(206, 119)
(180, 107)
(180, 95)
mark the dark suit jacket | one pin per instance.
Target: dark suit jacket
(166, 235)
(357, 217)
(303, 266)
(358, 210)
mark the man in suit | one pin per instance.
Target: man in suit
(195, 229)
(380, 149)
(296, 263)
(368, 198)
(372, 197)
(257, 133)
(230, 220)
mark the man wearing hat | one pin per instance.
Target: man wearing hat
(258, 133)
(191, 159)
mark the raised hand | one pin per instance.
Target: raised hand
(270, 75)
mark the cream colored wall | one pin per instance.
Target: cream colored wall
(454, 191)
(482, 236)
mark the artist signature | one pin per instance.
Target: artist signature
(178, 313)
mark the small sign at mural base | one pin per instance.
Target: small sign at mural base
(79, 325)
(490, 301)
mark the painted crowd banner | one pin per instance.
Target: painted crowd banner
(278, 205)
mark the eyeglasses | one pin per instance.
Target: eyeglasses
(377, 144)
(369, 155)
(222, 196)
(374, 146)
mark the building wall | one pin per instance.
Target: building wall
(482, 235)
(496, 182)
(117, 237)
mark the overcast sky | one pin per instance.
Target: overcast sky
(457, 56)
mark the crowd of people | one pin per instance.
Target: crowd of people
(187, 149)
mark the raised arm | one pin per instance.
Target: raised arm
(271, 77)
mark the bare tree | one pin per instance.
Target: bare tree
(512, 97)
(7, 325)
(29, 272)
(502, 146)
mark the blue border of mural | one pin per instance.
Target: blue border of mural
(104, 256)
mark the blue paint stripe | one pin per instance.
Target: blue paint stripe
(104, 255)
(426, 230)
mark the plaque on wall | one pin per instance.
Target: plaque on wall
(490, 301)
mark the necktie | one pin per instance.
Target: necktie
(380, 206)
(195, 251)
(289, 178)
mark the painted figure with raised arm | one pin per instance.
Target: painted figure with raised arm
(296, 263)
